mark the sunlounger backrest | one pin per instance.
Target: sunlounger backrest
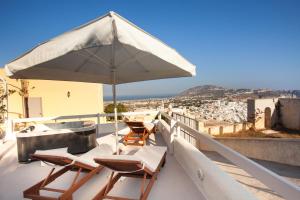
(57, 160)
(120, 162)
(137, 127)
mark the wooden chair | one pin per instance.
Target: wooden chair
(145, 163)
(139, 133)
(83, 163)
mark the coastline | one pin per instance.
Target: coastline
(137, 97)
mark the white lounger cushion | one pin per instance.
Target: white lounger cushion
(150, 156)
(109, 140)
(86, 158)
(119, 157)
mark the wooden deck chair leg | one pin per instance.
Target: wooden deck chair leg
(34, 191)
(145, 136)
(143, 185)
(77, 184)
(153, 178)
(100, 194)
(76, 176)
(108, 184)
(46, 179)
(149, 187)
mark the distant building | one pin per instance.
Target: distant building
(274, 113)
(296, 93)
(43, 98)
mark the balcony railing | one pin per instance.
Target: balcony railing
(12, 122)
(191, 122)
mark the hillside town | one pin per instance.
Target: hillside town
(220, 110)
(208, 102)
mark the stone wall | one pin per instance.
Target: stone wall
(290, 113)
(225, 129)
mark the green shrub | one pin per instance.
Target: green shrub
(110, 109)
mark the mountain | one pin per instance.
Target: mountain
(204, 90)
(217, 92)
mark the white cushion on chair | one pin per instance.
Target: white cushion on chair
(86, 158)
(109, 140)
(151, 156)
(120, 157)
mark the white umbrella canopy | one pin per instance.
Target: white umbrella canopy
(109, 50)
(92, 51)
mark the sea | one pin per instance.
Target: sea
(138, 97)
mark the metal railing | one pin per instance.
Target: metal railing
(12, 122)
(275, 182)
(191, 122)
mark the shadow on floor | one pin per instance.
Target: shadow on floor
(261, 189)
(6, 147)
(278, 168)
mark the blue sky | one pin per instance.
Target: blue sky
(238, 44)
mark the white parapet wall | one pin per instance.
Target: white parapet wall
(210, 180)
(164, 129)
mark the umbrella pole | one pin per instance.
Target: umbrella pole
(114, 82)
(116, 114)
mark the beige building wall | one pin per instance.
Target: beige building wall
(15, 105)
(84, 98)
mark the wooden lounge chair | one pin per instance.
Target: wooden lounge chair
(145, 163)
(83, 163)
(139, 133)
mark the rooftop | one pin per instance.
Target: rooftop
(16, 177)
(188, 172)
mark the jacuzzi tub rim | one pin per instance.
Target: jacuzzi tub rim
(56, 131)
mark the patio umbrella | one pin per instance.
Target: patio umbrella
(109, 50)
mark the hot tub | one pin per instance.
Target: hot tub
(78, 137)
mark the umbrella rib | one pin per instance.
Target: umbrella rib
(88, 57)
(97, 62)
(134, 57)
(146, 70)
(85, 61)
(97, 57)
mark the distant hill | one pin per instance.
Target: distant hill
(216, 92)
(204, 90)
